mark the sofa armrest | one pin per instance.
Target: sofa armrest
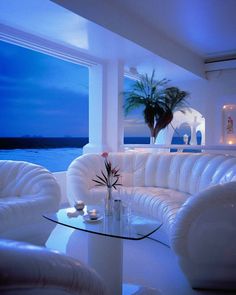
(79, 177)
(26, 266)
(203, 235)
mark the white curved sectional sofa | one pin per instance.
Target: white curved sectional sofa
(27, 191)
(193, 194)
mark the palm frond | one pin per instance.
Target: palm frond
(157, 100)
(176, 98)
(97, 181)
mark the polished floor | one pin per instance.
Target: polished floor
(146, 263)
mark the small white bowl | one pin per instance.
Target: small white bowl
(79, 205)
(93, 214)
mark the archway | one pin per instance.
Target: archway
(178, 136)
(183, 121)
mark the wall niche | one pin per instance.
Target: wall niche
(229, 124)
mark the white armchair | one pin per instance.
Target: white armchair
(27, 269)
(27, 191)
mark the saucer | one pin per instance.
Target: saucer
(88, 219)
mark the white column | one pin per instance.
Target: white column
(114, 102)
(194, 125)
(105, 107)
(97, 134)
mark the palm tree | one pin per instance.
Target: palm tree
(159, 102)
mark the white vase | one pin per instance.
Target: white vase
(152, 140)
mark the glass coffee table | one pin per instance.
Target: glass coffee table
(105, 239)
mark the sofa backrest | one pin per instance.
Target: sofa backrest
(19, 178)
(187, 172)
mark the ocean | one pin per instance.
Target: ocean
(54, 159)
(55, 154)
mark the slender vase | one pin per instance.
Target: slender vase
(108, 202)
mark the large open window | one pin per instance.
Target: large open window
(44, 104)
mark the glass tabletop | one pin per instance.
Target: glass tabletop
(134, 227)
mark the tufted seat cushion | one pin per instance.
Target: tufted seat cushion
(26, 192)
(158, 202)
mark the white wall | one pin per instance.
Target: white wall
(209, 96)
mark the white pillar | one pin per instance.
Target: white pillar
(97, 136)
(114, 102)
(105, 107)
(194, 126)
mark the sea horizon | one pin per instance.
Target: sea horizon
(41, 142)
(37, 142)
(54, 153)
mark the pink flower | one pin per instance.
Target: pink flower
(104, 155)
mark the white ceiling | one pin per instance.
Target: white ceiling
(45, 19)
(207, 27)
(173, 36)
(186, 32)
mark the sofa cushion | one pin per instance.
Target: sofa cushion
(160, 203)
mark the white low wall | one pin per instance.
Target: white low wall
(213, 149)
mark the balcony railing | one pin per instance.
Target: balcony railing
(219, 149)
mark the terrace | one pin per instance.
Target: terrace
(192, 44)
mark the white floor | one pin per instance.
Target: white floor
(146, 263)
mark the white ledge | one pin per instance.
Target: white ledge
(221, 147)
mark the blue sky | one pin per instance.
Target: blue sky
(41, 95)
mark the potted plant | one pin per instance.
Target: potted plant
(158, 100)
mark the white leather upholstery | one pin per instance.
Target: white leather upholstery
(26, 192)
(204, 237)
(184, 190)
(44, 271)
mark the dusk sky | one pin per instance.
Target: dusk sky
(41, 95)
(45, 96)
